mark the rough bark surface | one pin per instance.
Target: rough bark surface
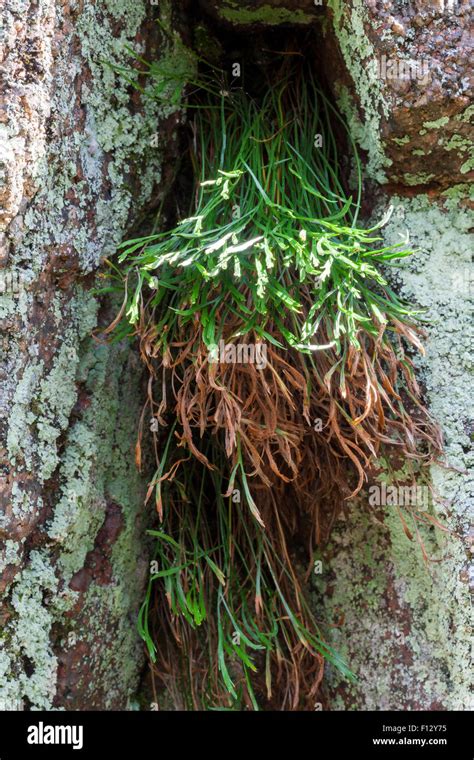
(409, 79)
(78, 163)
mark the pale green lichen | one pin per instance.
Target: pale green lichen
(89, 451)
(401, 140)
(467, 166)
(360, 59)
(102, 443)
(459, 143)
(453, 196)
(462, 145)
(441, 122)
(111, 128)
(10, 554)
(466, 116)
(406, 624)
(96, 466)
(112, 605)
(30, 638)
(42, 403)
(264, 14)
(19, 439)
(422, 178)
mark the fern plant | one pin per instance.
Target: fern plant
(254, 461)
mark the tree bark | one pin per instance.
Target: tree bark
(79, 162)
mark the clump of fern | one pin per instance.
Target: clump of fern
(250, 460)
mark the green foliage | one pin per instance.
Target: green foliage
(269, 214)
(271, 249)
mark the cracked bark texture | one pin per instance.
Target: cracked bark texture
(77, 165)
